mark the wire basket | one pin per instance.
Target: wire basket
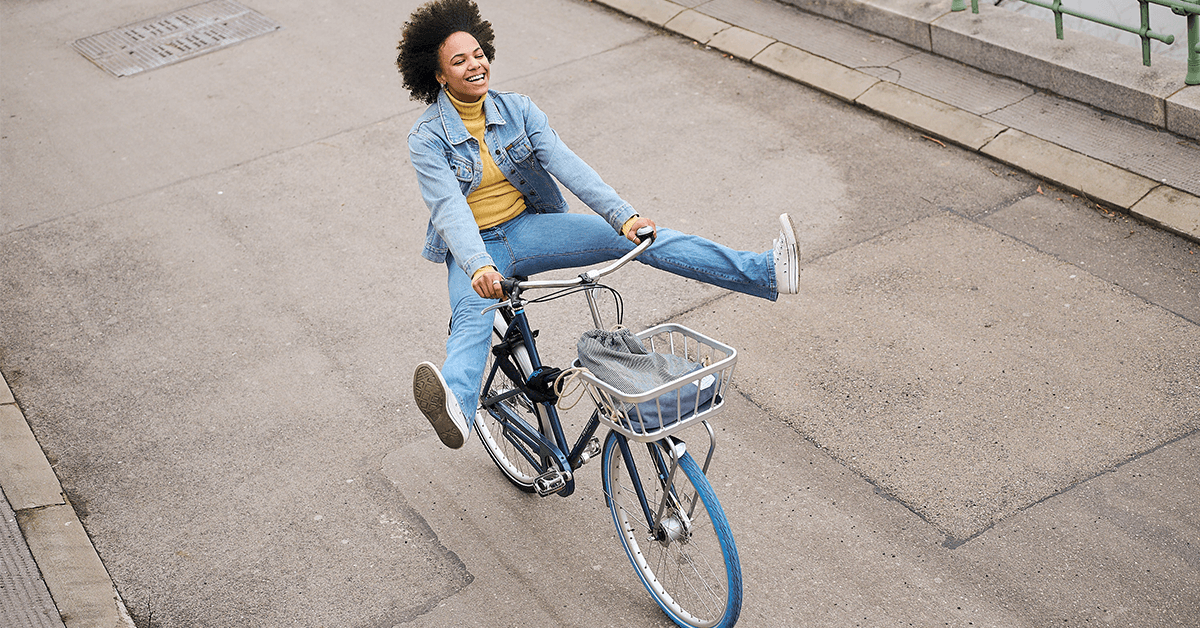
(650, 415)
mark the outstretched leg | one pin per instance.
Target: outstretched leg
(544, 242)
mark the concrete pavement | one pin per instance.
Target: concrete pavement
(208, 329)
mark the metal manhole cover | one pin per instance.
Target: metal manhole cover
(174, 37)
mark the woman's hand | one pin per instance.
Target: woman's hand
(632, 228)
(487, 284)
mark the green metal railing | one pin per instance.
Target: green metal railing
(1189, 10)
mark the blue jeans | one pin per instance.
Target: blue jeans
(534, 243)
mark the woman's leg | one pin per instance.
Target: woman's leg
(470, 333)
(469, 342)
(447, 397)
(542, 242)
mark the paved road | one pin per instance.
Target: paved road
(981, 411)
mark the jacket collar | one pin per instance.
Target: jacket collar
(456, 132)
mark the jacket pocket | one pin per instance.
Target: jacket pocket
(520, 150)
(463, 169)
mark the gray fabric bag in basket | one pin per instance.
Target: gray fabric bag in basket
(619, 359)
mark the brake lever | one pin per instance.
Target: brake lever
(512, 292)
(502, 303)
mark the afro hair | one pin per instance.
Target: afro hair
(422, 38)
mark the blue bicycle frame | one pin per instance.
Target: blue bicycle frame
(548, 439)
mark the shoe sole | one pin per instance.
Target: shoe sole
(789, 230)
(431, 400)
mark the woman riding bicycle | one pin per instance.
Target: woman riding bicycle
(486, 163)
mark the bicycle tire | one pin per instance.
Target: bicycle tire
(504, 453)
(695, 578)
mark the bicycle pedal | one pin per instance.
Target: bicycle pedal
(551, 482)
(591, 451)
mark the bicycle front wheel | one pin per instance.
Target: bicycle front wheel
(674, 532)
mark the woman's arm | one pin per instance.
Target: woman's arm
(449, 213)
(571, 171)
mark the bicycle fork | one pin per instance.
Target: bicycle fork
(668, 521)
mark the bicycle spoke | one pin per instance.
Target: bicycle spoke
(704, 580)
(629, 502)
(707, 581)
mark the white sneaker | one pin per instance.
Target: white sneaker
(438, 404)
(787, 258)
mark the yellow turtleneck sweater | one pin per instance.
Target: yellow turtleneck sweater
(495, 200)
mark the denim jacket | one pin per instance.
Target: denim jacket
(525, 149)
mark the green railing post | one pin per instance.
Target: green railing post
(1189, 9)
(1143, 35)
(1193, 44)
(1193, 26)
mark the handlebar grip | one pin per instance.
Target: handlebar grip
(645, 231)
(508, 285)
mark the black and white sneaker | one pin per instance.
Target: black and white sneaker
(787, 258)
(438, 404)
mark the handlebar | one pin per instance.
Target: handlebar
(514, 287)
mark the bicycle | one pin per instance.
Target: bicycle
(668, 519)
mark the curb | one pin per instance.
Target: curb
(1169, 208)
(81, 588)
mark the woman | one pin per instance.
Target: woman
(485, 161)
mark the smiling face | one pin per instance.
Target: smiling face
(464, 69)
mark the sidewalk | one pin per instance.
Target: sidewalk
(1146, 166)
(875, 59)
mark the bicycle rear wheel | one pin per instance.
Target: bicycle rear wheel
(682, 549)
(507, 455)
